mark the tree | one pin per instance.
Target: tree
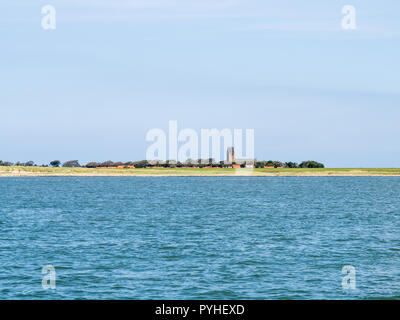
(277, 164)
(5, 163)
(290, 164)
(141, 164)
(107, 163)
(260, 164)
(29, 164)
(269, 163)
(311, 164)
(92, 165)
(71, 164)
(55, 163)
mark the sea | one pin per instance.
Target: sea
(200, 238)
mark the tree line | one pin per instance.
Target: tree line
(290, 164)
(167, 164)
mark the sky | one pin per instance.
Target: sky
(113, 70)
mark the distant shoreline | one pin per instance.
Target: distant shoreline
(196, 172)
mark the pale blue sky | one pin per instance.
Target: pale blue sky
(112, 70)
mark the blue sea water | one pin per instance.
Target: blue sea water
(200, 237)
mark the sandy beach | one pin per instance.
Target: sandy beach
(194, 172)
